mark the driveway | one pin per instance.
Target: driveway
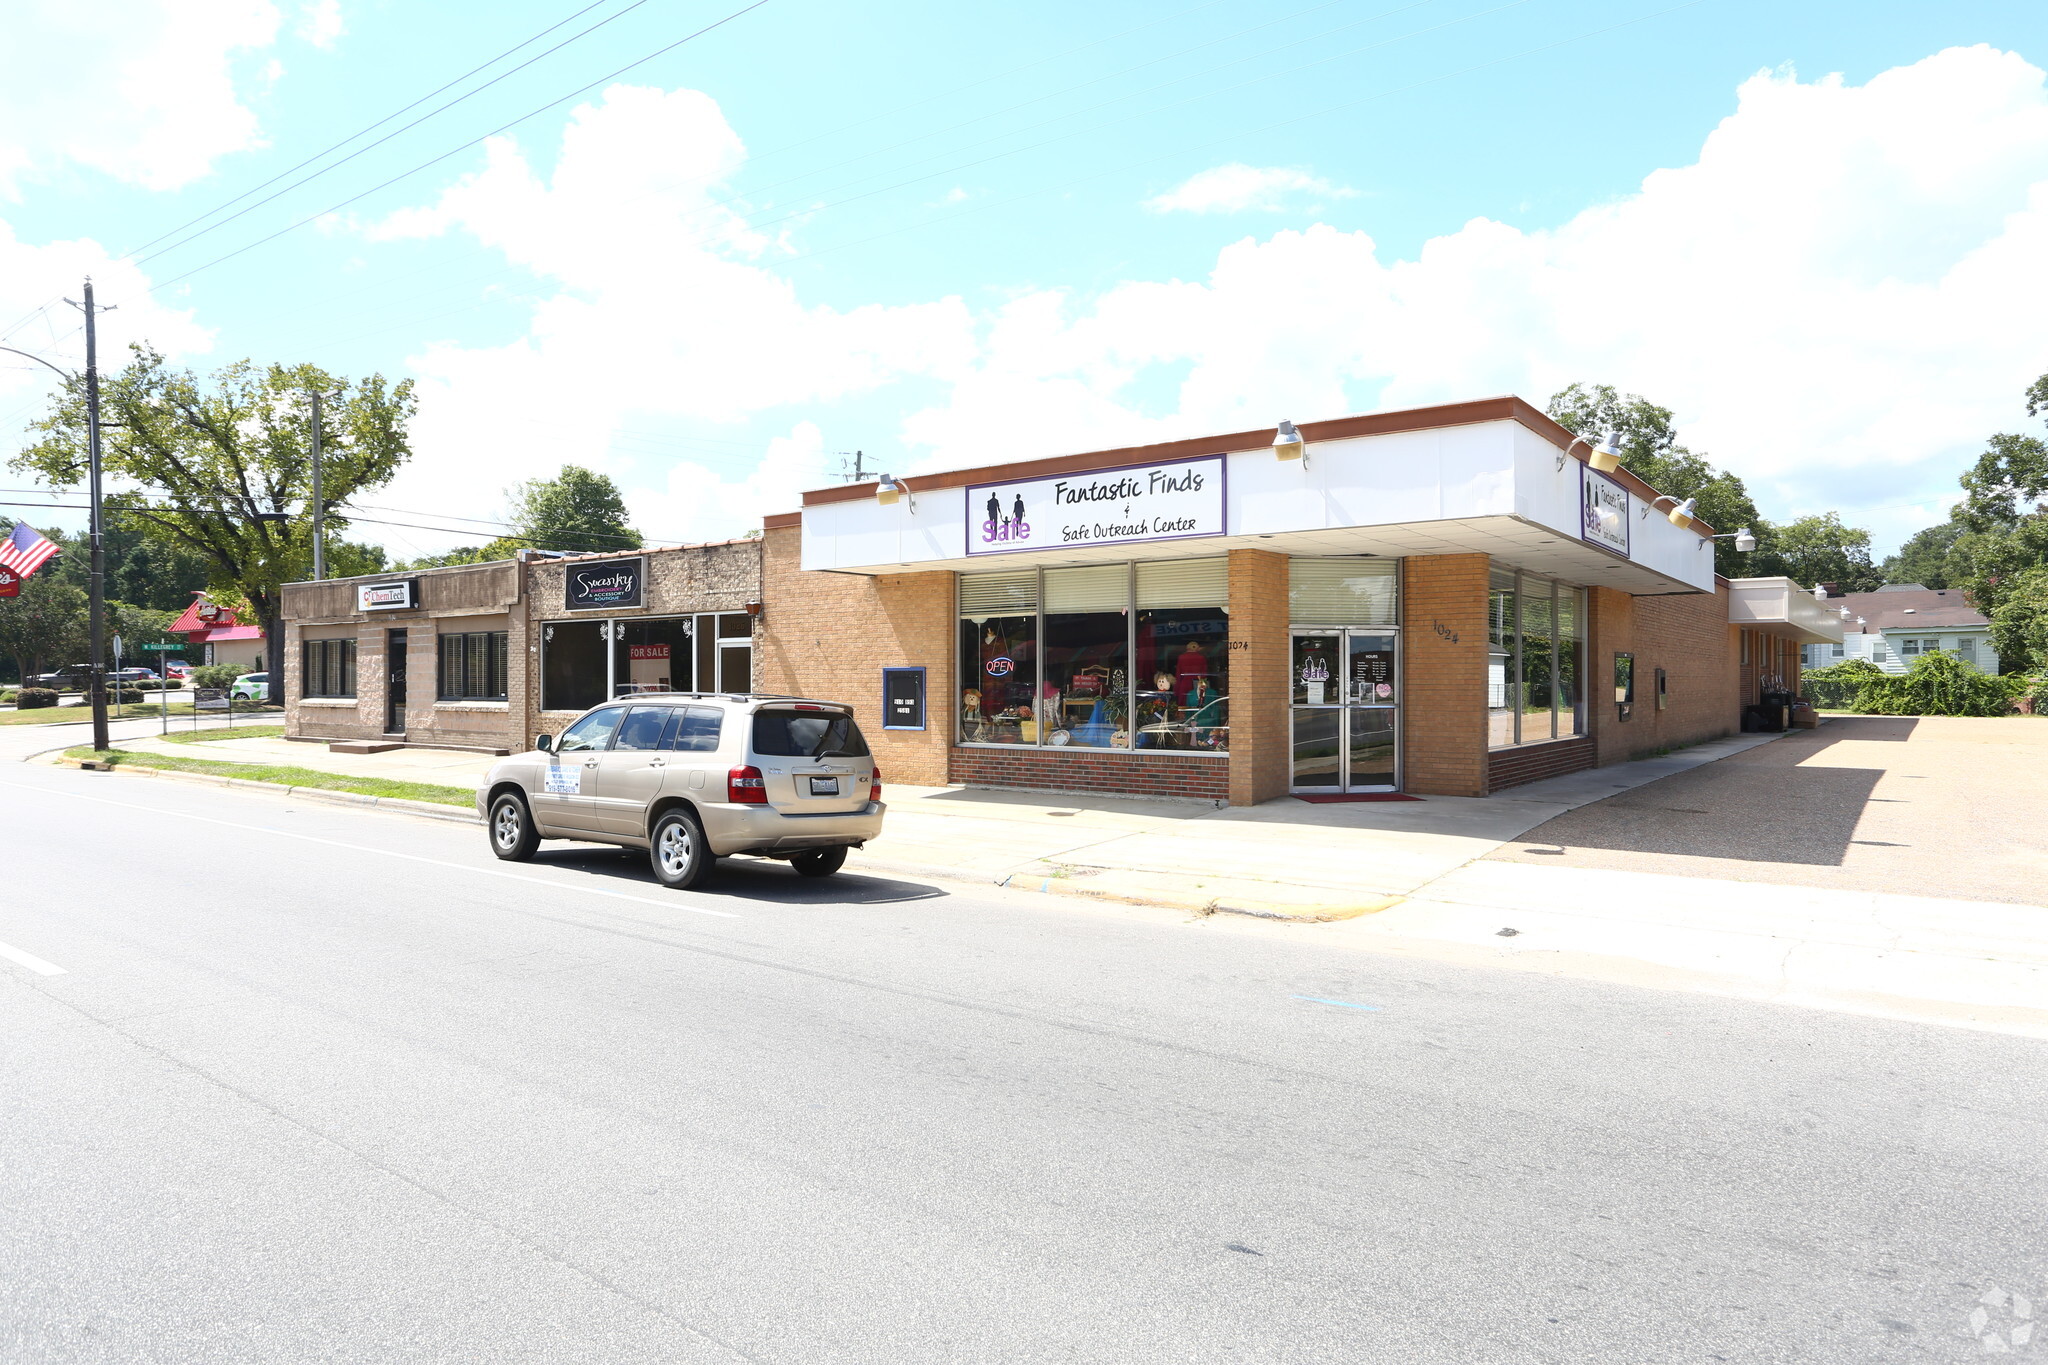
(1928, 806)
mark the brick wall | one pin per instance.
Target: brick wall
(1688, 636)
(1259, 761)
(1443, 640)
(829, 635)
(1534, 762)
(1101, 772)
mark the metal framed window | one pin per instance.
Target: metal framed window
(473, 666)
(327, 668)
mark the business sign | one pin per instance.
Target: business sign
(606, 585)
(400, 596)
(563, 779)
(1603, 511)
(210, 699)
(647, 651)
(903, 699)
(10, 582)
(1174, 501)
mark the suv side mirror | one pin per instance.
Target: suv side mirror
(544, 742)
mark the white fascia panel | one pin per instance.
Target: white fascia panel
(1545, 493)
(1267, 495)
(1476, 469)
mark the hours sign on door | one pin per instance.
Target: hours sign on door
(1176, 501)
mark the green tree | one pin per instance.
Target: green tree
(44, 626)
(578, 510)
(1650, 450)
(1819, 549)
(2019, 620)
(1924, 558)
(138, 626)
(206, 466)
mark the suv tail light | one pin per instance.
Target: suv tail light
(875, 788)
(744, 787)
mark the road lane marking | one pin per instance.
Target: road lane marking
(1345, 1004)
(390, 853)
(30, 961)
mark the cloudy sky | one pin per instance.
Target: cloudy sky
(1815, 231)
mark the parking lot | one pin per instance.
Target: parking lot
(1928, 806)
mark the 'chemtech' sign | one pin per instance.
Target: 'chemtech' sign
(1100, 507)
(607, 585)
(400, 596)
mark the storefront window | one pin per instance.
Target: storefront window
(1134, 657)
(1536, 660)
(472, 666)
(1084, 697)
(1503, 674)
(328, 669)
(572, 657)
(653, 656)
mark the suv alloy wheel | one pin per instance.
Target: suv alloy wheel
(513, 837)
(680, 854)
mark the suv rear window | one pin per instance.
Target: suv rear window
(807, 734)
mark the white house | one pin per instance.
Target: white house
(1901, 621)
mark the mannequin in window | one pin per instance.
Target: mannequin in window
(1191, 665)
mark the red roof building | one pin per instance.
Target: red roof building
(219, 632)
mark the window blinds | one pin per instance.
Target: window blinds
(1104, 587)
(999, 594)
(1342, 592)
(1184, 583)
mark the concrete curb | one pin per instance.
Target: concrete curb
(428, 809)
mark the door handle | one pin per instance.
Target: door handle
(657, 763)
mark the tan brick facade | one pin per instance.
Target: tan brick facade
(1443, 642)
(1688, 636)
(830, 636)
(1259, 758)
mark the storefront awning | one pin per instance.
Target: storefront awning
(1494, 477)
(1779, 606)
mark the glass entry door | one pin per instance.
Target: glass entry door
(1346, 692)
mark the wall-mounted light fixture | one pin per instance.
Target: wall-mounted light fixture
(1288, 445)
(891, 491)
(1606, 456)
(754, 610)
(1745, 541)
(1681, 515)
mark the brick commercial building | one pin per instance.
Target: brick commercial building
(488, 655)
(1446, 601)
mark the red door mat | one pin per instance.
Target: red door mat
(1336, 797)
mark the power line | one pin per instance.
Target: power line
(502, 75)
(361, 131)
(431, 161)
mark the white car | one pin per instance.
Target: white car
(251, 687)
(694, 777)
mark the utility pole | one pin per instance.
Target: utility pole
(319, 540)
(857, 473)
(97, 613)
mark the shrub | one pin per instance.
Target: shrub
(2029, 692)
(123, 696)
(1834, 687)
(217, 675)
(30, 698)
(1938, 684)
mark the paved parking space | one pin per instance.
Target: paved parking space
(1928, 806)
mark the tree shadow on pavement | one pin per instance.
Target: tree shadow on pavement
(1771, 804)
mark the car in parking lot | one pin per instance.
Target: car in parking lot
(694, 777)
(69, 678)
(131, 675)
(250, 687)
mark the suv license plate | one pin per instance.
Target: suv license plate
(824, 786)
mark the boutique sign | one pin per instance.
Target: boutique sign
(606, 585)
(1603, 511)
(1175, 501)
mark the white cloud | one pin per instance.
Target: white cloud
(321, 23)
(1840, 298)
(1237, 188)
(143, 90)
(655, 311)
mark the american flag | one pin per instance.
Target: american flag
(26, 550)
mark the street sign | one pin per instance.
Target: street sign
(164, 648)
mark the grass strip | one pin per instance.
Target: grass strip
(208, 736)
(282, 774)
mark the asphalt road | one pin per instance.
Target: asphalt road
(318, 1084)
